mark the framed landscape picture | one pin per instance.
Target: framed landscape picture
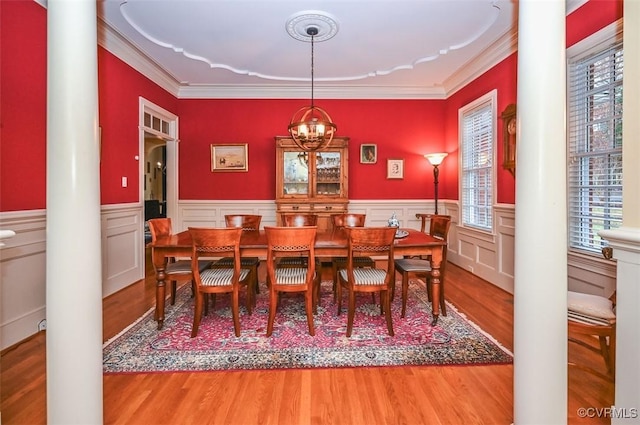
(231, 157)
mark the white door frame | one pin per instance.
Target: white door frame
(171, 136)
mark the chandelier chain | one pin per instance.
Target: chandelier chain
(312, 66)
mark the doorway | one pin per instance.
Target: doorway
(155, 177)
(158, 163)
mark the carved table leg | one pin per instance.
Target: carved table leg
(436, 261)
(160, 295)
(159, 263)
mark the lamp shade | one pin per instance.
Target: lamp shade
(436, 158)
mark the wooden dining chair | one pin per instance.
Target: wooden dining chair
(292, 242)
(340, 221)
(367, 241)
(439, 228)
(298, 219)
(592, 316)
(248, 223)
(175, 270)
(219, 242)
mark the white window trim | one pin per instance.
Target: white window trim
(599, 41)
(491, 97)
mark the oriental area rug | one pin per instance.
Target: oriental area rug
(141, 348)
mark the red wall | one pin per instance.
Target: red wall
(501, 77)
(120, 87)
(401, 129)
(23, 113)
(590, 18)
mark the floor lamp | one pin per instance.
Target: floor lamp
(436, 159)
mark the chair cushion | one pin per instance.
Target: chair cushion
(220, 277)
(366, 276)
(413, 265)
(590, 305)
(291, 275)
(184, 267)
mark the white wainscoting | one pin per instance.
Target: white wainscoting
(122, 246)
(23, 264)
(490, 257)
(22, 276)
(22, 259)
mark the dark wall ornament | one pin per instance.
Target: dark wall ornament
(508, 117)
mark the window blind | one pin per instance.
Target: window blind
(477, 166)
(595, 147)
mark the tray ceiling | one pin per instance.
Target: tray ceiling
(381, 48)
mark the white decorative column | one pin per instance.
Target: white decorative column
(73, 242)
(540, 284)
(625, 241)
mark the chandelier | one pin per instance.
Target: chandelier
(311, 127)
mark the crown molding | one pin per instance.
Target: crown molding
(487, 59)
(573, 5)
(132, 56)
(324, 92)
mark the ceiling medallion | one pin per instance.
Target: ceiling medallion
(298, 24)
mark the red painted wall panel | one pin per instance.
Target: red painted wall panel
(401, 129)
(23, 113)
(591, 17)
(120, 88)
(503, 78)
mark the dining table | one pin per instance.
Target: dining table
(329, 243)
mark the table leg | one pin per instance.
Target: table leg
(159, 263)
(160, 296)
(436, 261)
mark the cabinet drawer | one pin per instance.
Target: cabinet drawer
(329, 208)
(285, 208)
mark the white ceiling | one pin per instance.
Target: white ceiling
(382, 48)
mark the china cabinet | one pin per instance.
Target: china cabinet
(312, 182)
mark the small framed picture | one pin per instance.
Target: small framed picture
(229, 157)
(395, 168)
(368, 154)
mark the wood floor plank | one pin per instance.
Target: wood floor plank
(350, 396)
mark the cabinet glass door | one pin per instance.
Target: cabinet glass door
(328, 179)
(296, 173)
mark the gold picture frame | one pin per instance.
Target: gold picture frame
(229, 157)
(368, 154)
(508, 117)
(395, 168)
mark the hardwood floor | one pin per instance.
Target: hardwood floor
(394, 395)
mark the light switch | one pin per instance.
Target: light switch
(124, 182)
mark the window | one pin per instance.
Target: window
(477, 129)
(594, 145)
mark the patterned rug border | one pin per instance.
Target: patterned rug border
(300, 358)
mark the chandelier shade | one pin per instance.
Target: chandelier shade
(311, 127)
